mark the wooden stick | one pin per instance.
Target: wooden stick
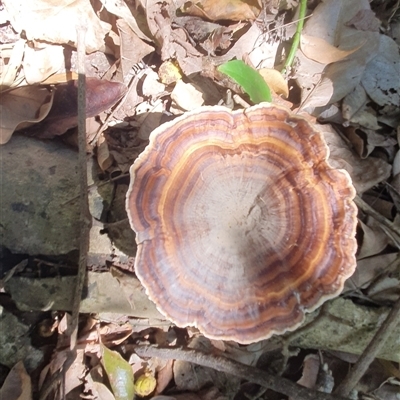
(251, 374)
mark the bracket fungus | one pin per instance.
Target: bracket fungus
(242, 225)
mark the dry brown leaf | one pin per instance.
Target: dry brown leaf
(321, 51)
(61, 77)
(17, 385)
(381, 78)
(337, 79)
(40, 64)
(55, 21)
(365, 174)
(365, 20)
(275, 81)
(374, 239)
(368, 268)
(104, 158)
(311, 366)
(186, 96)
(121, 9)
(233, 10)
(355, 110)
(27, 104)
(133, 49)
(14, 53)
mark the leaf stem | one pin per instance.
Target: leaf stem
(296, 37)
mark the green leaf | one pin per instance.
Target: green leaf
(119, 373)
(249, 79)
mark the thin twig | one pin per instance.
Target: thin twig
(85, 218)
(370, 352)
(296, 37)
(223, 364)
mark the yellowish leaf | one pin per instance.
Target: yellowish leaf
(275, 81)
(320, 50)
(145, 385)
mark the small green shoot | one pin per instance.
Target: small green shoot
(249, 79)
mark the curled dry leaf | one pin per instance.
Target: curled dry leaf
(21, 107)
(100, 95)
(275, 81)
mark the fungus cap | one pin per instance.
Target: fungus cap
(242, 225)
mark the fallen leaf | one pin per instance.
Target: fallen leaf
(119, 373)
(120, 9)
(365, 174)
(374, 239)
(133, 49)
(100, 95)
(55, 21)
(365, 20)
(381, 78)
(26, 104)
(169, 72)
(233, 10)
(311, 366)
(186, 96)
(355, 110)
(145, 385)
(9, 71)
(321, 51)
(17, 385)
(40, 63)
(275, 81)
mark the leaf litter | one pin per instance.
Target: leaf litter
(156, 60)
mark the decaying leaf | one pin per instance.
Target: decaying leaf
(381, 78)
(119, 373)
(26, 104)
